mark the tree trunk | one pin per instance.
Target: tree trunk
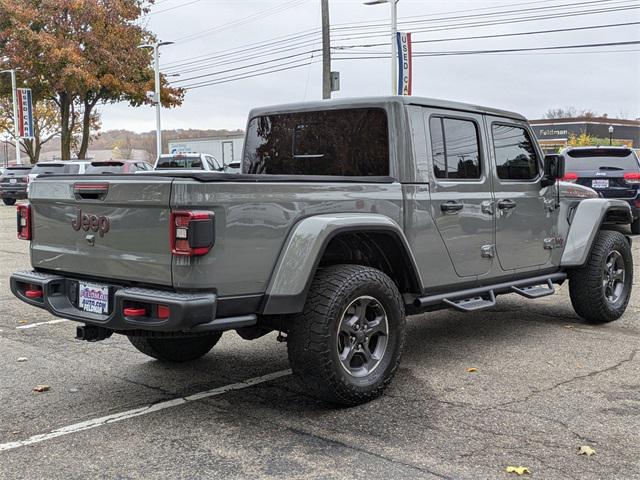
(66, 132)
(86, 128)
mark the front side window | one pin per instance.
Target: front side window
(455, 147)
(516, 157)
(346, 142)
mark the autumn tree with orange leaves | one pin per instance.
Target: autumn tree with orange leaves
(80, 54)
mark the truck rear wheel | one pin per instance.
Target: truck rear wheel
(346, 345)
(600, 289)
(178, 349)
(9, 201)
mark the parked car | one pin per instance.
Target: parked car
(13, 183)
(117, 166)
(188, 161)
(350, 214)
(613, 172)
(58, 167)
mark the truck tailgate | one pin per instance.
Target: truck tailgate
(115, 227)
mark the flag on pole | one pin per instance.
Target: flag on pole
(25, 113)
(405, 67)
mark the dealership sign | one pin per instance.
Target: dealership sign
(25, 113)
(405, 68)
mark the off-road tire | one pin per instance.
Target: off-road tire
(635, 226)
(586, 283)
(9, 201)
(181, 349)
(312, 335)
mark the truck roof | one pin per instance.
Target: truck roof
(383, 101)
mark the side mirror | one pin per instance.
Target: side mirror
(553, 169)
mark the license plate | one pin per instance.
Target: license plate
(600, 183)
(93, 298)
(13, 180)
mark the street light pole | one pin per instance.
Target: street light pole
(610, 134)
(156, 99)
(394, 32)
(14, 94)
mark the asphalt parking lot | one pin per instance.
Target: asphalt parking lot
(545, 385)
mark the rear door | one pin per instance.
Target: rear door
(525, 212)
(461, 199)
(94, 227)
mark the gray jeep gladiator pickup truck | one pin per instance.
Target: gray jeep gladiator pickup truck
(348, 215)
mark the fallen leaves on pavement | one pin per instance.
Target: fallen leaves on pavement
(586, 450)
(517, 470)
(41, 388)
(472, 369)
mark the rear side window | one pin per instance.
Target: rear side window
(455, 147)
(347, 142)
(516, 157)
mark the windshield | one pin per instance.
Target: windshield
(595, 159)
(180, 161)
(57, 168)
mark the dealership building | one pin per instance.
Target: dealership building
(554, 133)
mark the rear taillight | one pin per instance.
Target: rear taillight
(632, 178)
(24, 222)
(192, 233)
(570, 177)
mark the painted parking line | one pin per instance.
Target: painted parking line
(137, 412)
(50, 322)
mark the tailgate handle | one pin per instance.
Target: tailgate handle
(90, 191)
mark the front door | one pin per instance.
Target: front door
(525, 211)
(460, 189)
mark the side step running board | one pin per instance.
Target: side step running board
(536, 291)
(472, 304)
(485, 297)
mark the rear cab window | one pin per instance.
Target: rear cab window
(343, 142)
(106, 167)
(187, 162)
(16, 172)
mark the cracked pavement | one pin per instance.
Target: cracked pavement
(546, 384)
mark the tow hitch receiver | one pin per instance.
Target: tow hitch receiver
(91, 333)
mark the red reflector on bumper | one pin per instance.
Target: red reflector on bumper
(135, 312)
(33, 293)
(163, 311)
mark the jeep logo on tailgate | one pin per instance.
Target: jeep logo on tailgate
(96, 223)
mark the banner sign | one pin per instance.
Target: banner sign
(405, 61)
(25, 113)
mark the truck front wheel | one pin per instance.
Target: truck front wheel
(346, 345)
(601, 288)
(178, 349)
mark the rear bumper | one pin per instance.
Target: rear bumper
(18, 192)
(191, 312)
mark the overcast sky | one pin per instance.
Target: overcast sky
(606, 79)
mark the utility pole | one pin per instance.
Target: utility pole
(156, 98)
(326, 50)
(394, 31)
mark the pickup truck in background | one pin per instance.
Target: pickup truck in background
(347, 216)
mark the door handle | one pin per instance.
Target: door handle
(506, 204)
(450, 207)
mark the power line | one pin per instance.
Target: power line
(312, 51)
(269, 70)
(220, 56)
